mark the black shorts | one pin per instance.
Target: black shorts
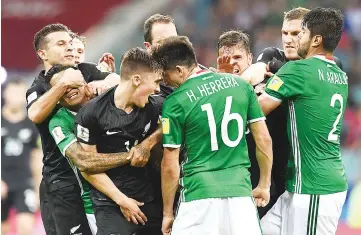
(67, 210)
(47, 218)
(22, 199)
(110, 220)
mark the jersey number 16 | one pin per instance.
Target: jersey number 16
(227, 117)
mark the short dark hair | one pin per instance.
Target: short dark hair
(232, 38)
(135, 59)
(156, 18)
(327, 22)
(295, 14)
(173, 51)
(40, 36)
(55, 70)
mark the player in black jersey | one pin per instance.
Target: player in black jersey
(115, 122)
(18, 149)
(60, 201)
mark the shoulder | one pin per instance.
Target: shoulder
(91, 72)
(269, 53)
(59, 117)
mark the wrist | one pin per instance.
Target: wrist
(168, 213)
(120, 200)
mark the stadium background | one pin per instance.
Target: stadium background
(116, 25)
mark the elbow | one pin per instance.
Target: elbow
(34, 116)
(169, 170)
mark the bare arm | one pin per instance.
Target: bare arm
(90, 161)
(267, 103)
(43, 107)
(263, 152)
(170, 176)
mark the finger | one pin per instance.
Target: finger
(139, 203)
(88, 91)
(268, 74)
(134, 220)
(219, 60)
(224, 59)
(131, 153)
(139, 219)
(141, 214)
(228, 59)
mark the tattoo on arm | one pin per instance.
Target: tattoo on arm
(95, 162)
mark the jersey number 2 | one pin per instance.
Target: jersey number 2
(331, 135)
(227, 117)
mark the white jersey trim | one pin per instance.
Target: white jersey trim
(175, 146)
(256, 120)
(272, 97)
(321, 57)
(67, 146)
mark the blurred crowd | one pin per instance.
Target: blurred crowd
(262, 20)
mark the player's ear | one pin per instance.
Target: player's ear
(136, 80)
(316, 40)
(250, 58)
(180, 70)
(42, 54)
(148, 46)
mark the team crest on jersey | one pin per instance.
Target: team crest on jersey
(275, 83)
(83, 133)
(58, 134)
(165, 125)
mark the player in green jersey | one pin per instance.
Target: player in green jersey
(208, 113)
(91, 165)
(316, 92)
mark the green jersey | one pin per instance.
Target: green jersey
(208, 114)
(61, 127)
(316, 91)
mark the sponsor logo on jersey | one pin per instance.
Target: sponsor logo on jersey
(112, 132)
(165, 125)
(275, 83)
(259, 57)
(83, 133)
(58, 134)
(74, 229)
(32, 97)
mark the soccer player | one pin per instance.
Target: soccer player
(60, 202)
(316, 92)
(115, 122)
(62, 128)
(208, 114)
(18, 146)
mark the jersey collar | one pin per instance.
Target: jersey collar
(72, 112)
(324, 58)
(199, 73)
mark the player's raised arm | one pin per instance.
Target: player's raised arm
(41, 104)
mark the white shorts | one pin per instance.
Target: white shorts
(214, 216)
(92, 223)
(304, 214)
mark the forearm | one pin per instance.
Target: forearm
(92, 162)
(170, 177)
(264, 158)
(105, 185)
(43, 107)
(154, 138)
(111, 80)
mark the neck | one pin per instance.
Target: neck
(13, 114)
(47, 67)
(192, 71)
(123, 96)
(318, 51)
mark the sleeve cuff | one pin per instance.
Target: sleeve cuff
(67, 146)
(174, 146)
(272, 97)
(256, 120)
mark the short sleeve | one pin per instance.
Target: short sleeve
(34, 93)
(172, 123)
(86, 126)
(267, 55)
(287, 83)
(62, 132)
(91, 72)
(254, 113)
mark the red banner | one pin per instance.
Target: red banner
(21, 19)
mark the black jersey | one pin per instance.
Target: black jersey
(113, 130)
(18, 140)
(56, 168)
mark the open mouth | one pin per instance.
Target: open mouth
(69, 57)
(73, 94)
(236, 71)
(290, 47)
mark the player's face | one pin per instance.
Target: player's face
(148, 85)
(58, 49)
(304, 42)
(239, 55)
(73, 96)
(159, 32)
(79, 51)
(14, 95)
(290, 31)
